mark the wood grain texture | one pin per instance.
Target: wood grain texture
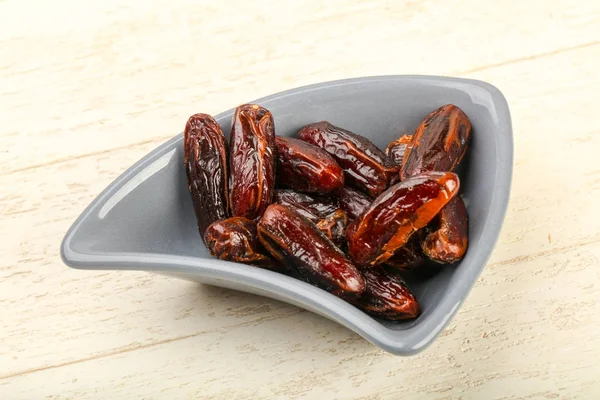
(88, 89)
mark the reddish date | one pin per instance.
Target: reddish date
(236, 239)
(386, 296)
(306, 205)
(396, 149)
(307, 253)
(409, 256)
(324, 212)
(353, 202)
(306, 168)
(396, 214)
(205, 163)
(447, 242)
(439, 142)
(364, 165)
(334, 227)
(251, 161)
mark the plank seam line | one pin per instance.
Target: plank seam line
(529, 58)
(129, 349)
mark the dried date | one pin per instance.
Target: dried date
(334, 227)
(386, 296)
(251, 161)
(396, 214)
(365, 166)
(205, 162)
(439, 142)
(448, 238)
(409, 256)
(353, 202)
(396, 149)
(307, 253)
(236, 239)
(306, 205)
(307, 168)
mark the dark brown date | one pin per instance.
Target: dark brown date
(306, 205)
(306, 168)
(353, 202)
(396, 214)
(396, 149)
(334, 227)
(205, 162)
(387, 296)
(439, 142)
(307, 253)
(365, 166)
(448, 238)
(236, 239)
(409, 256)
(251, 161)
(323, 211)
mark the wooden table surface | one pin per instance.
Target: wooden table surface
(88, 88)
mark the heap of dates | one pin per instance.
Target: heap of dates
(329, 207)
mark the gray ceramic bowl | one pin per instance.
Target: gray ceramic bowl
(144, 220)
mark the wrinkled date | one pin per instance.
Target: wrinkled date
(396, 149)
(306, 205)
(396, 214)
(205, 163)
(409, 256)
(364, 165)
(439, 142)
(447, 242)
(324, 212)
(307, 168)
(307, 253)
(251, 161)
(236, 239)
(387, 296)
(334, 227)
(353, 202)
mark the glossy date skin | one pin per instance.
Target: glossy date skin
(365, 166)
(353, 202)
(205, 162)
(409, 256)
(386, 296)
(251, 161)
(236, 239)
(334, 227)
(396, 149)
(306, 205)
(307, 168)
(448, 243)
(439, 142)
(396, 214)
(306, 252)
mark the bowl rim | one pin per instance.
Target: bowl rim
(406, 342)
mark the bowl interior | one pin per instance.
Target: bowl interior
(151, 211)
